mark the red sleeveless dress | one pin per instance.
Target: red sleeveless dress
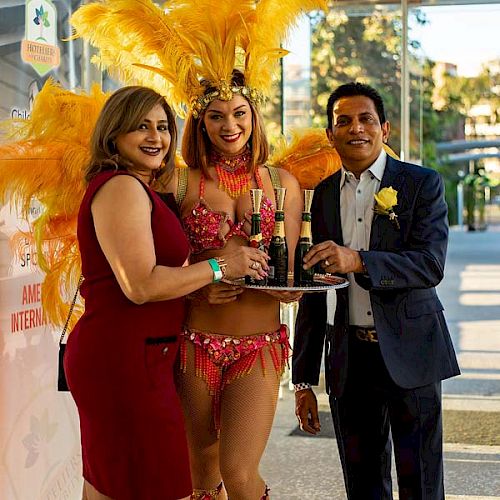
(119, 364)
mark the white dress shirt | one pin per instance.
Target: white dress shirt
(356, 215)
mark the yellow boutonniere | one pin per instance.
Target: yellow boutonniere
(386, 199)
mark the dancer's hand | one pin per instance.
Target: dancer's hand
(220, 293)
(306, 410)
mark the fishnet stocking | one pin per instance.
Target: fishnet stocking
(248, 405)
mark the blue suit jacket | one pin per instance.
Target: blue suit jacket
(404, 266)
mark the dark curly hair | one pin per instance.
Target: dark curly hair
(353, 89)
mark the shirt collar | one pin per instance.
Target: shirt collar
(377, 168)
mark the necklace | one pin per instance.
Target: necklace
(232, 172)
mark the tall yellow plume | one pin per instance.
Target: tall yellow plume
(269, 30)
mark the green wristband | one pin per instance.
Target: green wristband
(216, 269)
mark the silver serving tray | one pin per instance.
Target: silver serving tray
(321, 283)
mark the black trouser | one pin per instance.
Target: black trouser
(372, 409)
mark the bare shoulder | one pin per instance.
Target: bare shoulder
(120, 190)
(288, 180)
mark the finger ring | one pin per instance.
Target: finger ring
(327, 263)
(255, 265)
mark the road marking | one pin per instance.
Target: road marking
(479, 449)
(458, 497)
(479, 376)
(472, 461)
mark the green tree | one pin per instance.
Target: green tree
(363, 47)
(366, 46)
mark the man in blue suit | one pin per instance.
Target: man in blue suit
(387, 346)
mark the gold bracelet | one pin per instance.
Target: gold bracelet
(223, 265)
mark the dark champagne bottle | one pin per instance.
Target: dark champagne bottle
(302, 276)
(256, 240)
(278, 250)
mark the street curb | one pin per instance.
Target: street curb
(450, 402)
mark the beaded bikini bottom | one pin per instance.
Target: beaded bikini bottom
(221, 359)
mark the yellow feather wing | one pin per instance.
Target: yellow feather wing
(308, 156)
(45, 159)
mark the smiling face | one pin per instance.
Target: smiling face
(356, 132)
(229, 125)
(147, 146)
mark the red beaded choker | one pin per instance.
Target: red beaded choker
(232, 172)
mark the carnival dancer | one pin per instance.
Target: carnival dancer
(232, 354)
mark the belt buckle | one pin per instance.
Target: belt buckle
(366, 335)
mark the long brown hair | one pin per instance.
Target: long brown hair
(196, 145)
(123, 113)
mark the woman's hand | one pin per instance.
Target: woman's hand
(285, 297)
(216, 293)
(246, 261)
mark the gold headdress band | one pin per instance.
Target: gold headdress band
(225, 92)
(190, 46)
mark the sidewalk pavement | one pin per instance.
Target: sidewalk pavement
(299, 467)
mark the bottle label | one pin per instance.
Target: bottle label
(279, 229)
(270, 273)
(305, 230)
(256, 240)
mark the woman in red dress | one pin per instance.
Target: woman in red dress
(119, 358)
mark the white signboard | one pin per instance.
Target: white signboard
(40, 48)
(40, 456)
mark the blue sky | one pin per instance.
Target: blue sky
(466, 35)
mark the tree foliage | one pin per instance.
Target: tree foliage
(364, 47)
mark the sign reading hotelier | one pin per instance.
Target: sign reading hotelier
(39, 48)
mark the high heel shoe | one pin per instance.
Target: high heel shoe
(266, 493)
(207, 494)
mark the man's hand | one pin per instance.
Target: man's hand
(334, 258)
(306, 409)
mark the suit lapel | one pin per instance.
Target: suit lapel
(391, 178)
(332, 207)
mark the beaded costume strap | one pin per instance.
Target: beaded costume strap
(275, 176)
(182, 184)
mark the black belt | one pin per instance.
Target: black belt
(363, 333)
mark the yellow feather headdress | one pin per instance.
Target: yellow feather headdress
(46, 160)
(191, 45)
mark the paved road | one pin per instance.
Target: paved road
(300, 468)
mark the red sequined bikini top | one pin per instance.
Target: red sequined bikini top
(204, 226)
